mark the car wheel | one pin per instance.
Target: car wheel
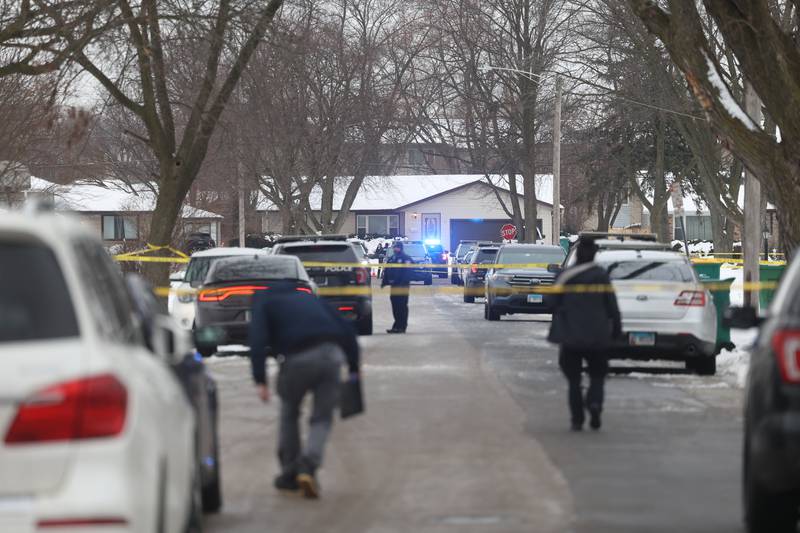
(212, 491)
(365, 325)
(429, 280)
(490, 313)
(765, 511)
(207, 351)
(194, 517)
(469, 299)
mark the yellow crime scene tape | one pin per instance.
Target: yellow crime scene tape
(421, 290)
(140, 255)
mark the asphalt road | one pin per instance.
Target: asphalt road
(466, 430)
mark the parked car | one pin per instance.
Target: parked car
(347, 289)
(96, 430)
(513, 290)
(181, 300)
(771, 461)
(197, 242)
(618, 241)
(226, 297)
(438, 256)
(419, 254)
(475, 275)
(458, 259)
(667, 313)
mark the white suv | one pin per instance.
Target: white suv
(96, 431)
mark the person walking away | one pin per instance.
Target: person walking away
(586, 321)
(399, 279)
(311, 342)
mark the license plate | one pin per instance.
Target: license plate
(641, 339)
(535, 298)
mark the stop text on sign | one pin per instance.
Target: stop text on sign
(508, 231)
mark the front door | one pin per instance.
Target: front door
(431, 227)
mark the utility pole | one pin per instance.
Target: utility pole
(752, 210)
(240, 171)
(557, 165)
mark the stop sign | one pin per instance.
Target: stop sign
(508, 231)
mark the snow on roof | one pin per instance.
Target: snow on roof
(115, 196)
(387, 193)
(229, 252)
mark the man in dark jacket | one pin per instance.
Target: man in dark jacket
(399, 279)
(311, 342)
(586, 321)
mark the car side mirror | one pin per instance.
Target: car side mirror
(555, 268)
(169, 341)
(741, 318)
(208, 339)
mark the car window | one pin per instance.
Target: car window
(198, 268)
(649, 270)
(248, 268)
(106, 295)
(339, 253)
(485, 255)
(522, 256)
(415, 250)
(34, 301)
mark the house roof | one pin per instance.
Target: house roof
(391, 193)
(112, 196)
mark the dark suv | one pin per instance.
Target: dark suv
(475, 275)
(226, 297)
(348, 288)
(438, 256)
(772, 411)
(419, 254)
(525, 267)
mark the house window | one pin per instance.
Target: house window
(119, 228)
(378, 225)
(698, 228)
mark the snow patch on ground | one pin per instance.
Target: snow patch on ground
(700, 247)
(734, 364)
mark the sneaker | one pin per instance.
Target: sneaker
(287, 482)
(594, 420)
(395, 330)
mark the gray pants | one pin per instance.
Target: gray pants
(314, 370)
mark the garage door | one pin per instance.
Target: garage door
(475, 230)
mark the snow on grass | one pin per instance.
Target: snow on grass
(726, 99)
(734, 364)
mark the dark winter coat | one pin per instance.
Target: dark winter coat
(286, 321)
(397, 277)
(584, 320)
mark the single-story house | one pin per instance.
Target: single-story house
(447, 208)
(117, 212)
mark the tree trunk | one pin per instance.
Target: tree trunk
(162, 224)
(722, 232)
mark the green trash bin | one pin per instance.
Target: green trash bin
(721, 292)
(707, 271)
(564, 242)
(769, 273)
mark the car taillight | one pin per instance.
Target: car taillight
(87, 408)
(474, 269)
(361, 276)
(786, 344)
(218, 295)
(691, 299)
(445, 256)
(347, 308)
(305, 290)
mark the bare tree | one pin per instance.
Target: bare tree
(761, 39)
(136, 63)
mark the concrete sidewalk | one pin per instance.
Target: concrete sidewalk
(441, 448)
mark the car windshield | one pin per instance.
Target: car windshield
(334, 253)
(485, 255)
(463, 250)
(531, 256)
(435, 248)
(247, 268)
(198, 268)
(34, 301)
(411, 250)
(649, 270)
